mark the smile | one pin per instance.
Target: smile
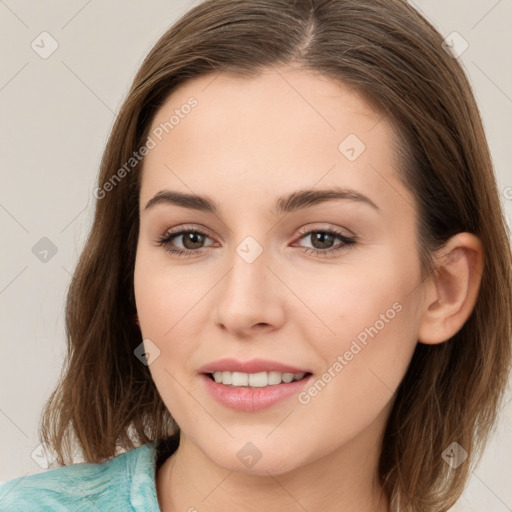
(255, 380)
(252, 392)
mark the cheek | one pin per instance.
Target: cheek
(166, 295)
(354, 391)
(166, 299)
(361, 299)
(374, 319)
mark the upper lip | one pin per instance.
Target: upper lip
(251, 366)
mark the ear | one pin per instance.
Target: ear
(452, 293)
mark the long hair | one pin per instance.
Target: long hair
(394, 58)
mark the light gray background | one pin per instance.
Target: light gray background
(56, 114)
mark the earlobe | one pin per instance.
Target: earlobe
(452, 293)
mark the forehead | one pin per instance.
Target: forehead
(279, 130)
(285, 101)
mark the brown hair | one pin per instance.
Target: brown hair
(386, 51)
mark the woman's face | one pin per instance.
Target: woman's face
(279, 277)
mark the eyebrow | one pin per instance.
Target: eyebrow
(298, 200)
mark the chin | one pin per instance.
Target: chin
(256, 457)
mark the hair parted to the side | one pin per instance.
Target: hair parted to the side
(391, 55)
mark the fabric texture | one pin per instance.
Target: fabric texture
(124, 483)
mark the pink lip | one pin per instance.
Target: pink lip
(252, 366)
(252, 399)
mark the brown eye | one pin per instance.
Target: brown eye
(186, 241)
(323, 241)
(192, 240)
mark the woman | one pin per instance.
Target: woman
(296, 293)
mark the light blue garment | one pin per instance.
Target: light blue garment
(124, 483)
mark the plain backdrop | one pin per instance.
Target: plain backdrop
(56, 114)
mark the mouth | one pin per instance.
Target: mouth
(255, 380)
(252, 385)
(252, 392)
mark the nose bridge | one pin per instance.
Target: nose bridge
(248, 295)
(248, 279)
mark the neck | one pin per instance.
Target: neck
(343, 480)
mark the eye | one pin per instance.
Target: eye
(191, 241)
(323, 241)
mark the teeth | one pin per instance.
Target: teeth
(239, 379)
(255, 380)
(274, 378)
(258, 380)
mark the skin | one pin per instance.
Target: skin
(248, 142)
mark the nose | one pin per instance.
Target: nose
(250, 299)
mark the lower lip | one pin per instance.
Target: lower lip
(252, 399)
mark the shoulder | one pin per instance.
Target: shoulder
(126, 482)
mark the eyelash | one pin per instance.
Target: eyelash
(347, 242)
